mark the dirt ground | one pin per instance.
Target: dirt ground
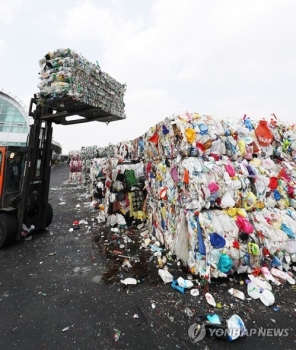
(61, 290)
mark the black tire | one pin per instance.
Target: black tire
(8, 228)
(48, 215)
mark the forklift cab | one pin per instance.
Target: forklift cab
(24, 185)
(15, 166)
(12, 160)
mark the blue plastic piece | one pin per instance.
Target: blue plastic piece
(175, 285)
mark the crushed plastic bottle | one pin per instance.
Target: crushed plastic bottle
(117, 334)
(184, 283)
(188, 312)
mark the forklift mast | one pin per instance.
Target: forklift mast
(36, 175)
(32, 206)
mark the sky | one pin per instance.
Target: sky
(224, 58)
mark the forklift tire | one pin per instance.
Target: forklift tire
(49, 215)
(8, 228)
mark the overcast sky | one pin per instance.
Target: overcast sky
(224, 58)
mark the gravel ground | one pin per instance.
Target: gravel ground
(61, 290)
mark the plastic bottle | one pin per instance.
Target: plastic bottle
(184, 283)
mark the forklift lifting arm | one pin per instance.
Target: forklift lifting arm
(58, 113)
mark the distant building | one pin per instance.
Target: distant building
(56, 151)
(15, 123)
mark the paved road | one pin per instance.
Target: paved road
(53, 296)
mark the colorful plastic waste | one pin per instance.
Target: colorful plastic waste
(217, 327)
(220, 195)
(165, 276)
(129, 281)
(236, 327)
(184, 283)
(210, 299)
(267, 297)
(253, 290)
(237, 293)
(176, 286)
(194, 292)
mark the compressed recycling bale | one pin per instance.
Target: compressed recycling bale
(69, 82)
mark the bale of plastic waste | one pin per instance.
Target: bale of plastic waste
(69, 82)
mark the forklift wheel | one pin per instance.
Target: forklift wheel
(8, 228)
(49, 215)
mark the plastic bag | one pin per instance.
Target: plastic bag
(234, 253)
(217, 240)
(174, 174)
(287, 230)
(253, 248)
(213, 187)
(227, 201)
(203, 129)
(190, 135)
(249, 152)
(263, 133)
(201, 243)
(229, 168)
(244, 225)
(225, 263)
(236, 327)
(250, 201)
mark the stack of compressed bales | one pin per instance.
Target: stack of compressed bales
(116, 176)
(87, 154)
(221, 194)
(215, 189)
(69, 82)
(76, 174)
(117, 190)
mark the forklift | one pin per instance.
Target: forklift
(25, 171)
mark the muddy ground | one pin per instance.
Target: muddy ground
(61, 290)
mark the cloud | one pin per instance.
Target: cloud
(8, 10)
(235, 107)
(209, 42)
(2, 45)
(87, 22)
(26, 99)
(147, 107)
(224, 58)
(228, 41)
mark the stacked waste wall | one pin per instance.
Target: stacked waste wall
(219, 194)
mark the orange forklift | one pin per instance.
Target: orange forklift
(25, 171)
